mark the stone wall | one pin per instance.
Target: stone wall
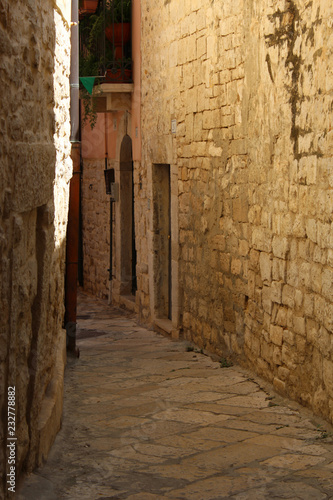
(237, 98)
(289, 319)
(34, 176)
(95, 229)
(95, 202)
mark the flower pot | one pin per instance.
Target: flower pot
(88, 7)
(118, 76)
(118, 34)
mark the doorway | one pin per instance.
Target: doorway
(162, 240)
(127, 226)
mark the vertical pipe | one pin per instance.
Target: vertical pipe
(111, 238)
(72, 242)
(104, 37)
(74, 77)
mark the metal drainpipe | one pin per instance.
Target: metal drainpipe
(72, 242)
(111, 211)
(74, 77)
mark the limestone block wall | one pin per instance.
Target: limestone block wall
(237, 98)
(289, 329)
(34, 176)
(95, 228)
(104, 138)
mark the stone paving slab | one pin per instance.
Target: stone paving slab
(146, 418)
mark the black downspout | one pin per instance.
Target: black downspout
(111, 239)
(72, 241)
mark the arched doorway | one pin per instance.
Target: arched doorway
(127, 227)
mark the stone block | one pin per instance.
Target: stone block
(240, 208)
(236, 266)
(283, 373)
(261, 239)
(323, 234)
(227, 120)
(191, 48)
(225, 260)
(282, 317)
(279, 385)
(211, 119)
(280, 247)
(276, 292)
(266, 350)
(265, 267)
(279, 269)
(238, 147)
(288, 337)
(288, 296)
(288, 357)
(277, 356)
(316, 278)
(311, 229)
(201, 19)
(266, 299)
(276, 334)
(307, 167)
(305, 275)
(299, 325)
(293, 274)
(327, 283)
(308, 304)
(34, 175)
(243, 248)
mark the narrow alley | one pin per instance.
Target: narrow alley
(147, 417)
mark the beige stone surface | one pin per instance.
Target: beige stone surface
(247, 86)
(34, 183)
(124, 437)
(95, 228)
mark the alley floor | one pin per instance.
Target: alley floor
(147, 417)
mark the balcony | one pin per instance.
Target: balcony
(105, 42)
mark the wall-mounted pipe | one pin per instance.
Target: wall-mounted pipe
(74, 76)
(72, 242)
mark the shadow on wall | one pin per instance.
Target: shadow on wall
(33, 206)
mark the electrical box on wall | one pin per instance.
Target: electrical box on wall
(109, 179)
(111, 187)
(114, 191)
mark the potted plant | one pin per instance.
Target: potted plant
(117, 23)
(88, 6)
(109, 61)
(91, 66)
(118, 11)
(119, 71)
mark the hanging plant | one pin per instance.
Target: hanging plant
(89, 102)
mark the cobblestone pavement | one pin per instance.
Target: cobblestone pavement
(146, 417)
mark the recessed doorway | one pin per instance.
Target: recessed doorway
(162, 241)
(127, 226)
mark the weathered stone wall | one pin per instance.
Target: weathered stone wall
(289, 328)
(34, 175)
(95, 202)
(248, 85)
(95, 228)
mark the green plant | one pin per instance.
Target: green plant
(97, 54)
(90, 57)
(89, 107)
(117, 11)
(224, 363)
(90, 65)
